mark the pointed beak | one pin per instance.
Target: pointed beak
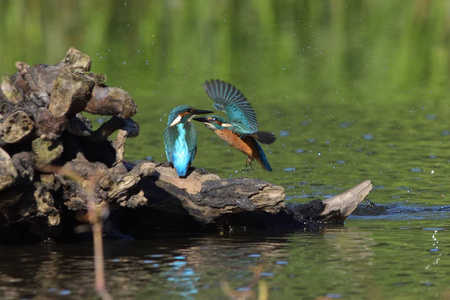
(201, 119)
(201, 112)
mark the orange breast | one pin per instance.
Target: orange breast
(246, 145)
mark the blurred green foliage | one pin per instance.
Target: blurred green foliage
(327, 75)
(389, 44)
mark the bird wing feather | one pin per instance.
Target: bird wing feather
(231, 101)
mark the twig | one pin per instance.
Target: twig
(96, 213)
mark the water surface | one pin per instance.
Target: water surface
(353, 90)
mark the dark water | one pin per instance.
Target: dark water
(366, 259)
(354, 90)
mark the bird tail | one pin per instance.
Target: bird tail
(262, 159)
(264, 137)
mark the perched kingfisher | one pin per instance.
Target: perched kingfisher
(241, 129)
(180, 137)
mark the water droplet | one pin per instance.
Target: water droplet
(368, 136)
(416, 170)
(284, 133)
(345, 124)
(65, 292)
(289, 169)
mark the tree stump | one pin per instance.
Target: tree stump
(52, 162)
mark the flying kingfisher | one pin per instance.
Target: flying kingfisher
(241, 129)
(180, 137)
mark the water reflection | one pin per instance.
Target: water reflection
(354, 90)
(182, 268)
(363, 258)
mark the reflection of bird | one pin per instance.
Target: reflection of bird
(241, 130)
(180, 137)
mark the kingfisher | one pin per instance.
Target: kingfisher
(241, 130)
(180, 137)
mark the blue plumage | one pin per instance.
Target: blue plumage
(263, 158)
(241, 129)
(180, 138)
(232, 102)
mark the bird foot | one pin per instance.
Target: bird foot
(248, 162)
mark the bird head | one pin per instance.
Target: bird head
(184, 114)
(214, 122)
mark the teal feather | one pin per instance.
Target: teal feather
(263, 157)
(180, 141)
(231, 101)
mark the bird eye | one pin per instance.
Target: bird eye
(214, 119)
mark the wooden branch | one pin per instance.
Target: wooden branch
(339, 207)
(17, 127)
(8, 173)
(51, 163)
(70, 94)
(110, 101)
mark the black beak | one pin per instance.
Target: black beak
(201, 119)
(201, 111)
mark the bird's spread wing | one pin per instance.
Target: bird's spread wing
(231, 101)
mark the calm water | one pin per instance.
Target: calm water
(353, 90)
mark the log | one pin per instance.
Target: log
(110, 101)
(17, 127)
(8, 173)
(53, 166)
(339, 207)
(46, 151)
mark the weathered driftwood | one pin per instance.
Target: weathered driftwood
(51, 162)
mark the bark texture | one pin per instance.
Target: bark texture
(52, 163)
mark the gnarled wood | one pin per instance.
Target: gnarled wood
(17, 127)
(339, 207)
(52, 162)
